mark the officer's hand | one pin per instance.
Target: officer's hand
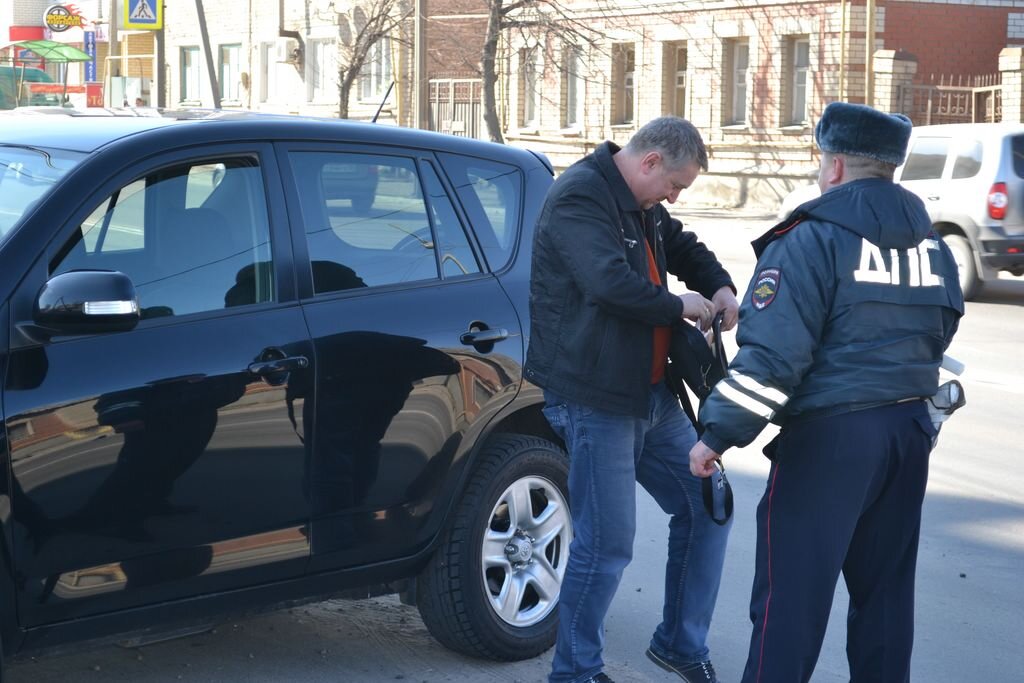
(725, 300)
(702, 460)
(698, 309)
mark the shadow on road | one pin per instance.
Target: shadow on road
(1002, 292)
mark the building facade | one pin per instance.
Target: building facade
(281, 56)
(121, 74)
(752, 77)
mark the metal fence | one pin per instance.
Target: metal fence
(954, 99)
(456, 106)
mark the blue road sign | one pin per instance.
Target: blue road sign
(89, 40)
(144, 14)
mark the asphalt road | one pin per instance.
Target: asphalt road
(970, 574)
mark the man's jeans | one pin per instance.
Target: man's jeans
(608, 454)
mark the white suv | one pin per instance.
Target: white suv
(971, 178)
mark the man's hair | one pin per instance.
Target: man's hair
(675, 139)
(858, 167)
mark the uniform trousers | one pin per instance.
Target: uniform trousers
(844, 495)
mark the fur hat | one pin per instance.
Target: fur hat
(859, 130)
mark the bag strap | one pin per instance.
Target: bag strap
(719, 346)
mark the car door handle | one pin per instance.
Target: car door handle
(934, 198)
(278, 365)
(484, 336)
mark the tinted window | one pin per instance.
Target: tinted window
(926, 160)
(968, 159)
(26, 174)
(190, 238)
(1017, 148)
(456, 255)
(491, 194)
(365, 219)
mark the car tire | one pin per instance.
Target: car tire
(966, 266)
(491, 589)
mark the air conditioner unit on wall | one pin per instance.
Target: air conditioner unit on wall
(288, 51)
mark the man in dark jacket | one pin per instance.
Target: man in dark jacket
(601, 314)
(853, 302)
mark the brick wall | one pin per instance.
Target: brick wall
(27, 12)
(949, 38)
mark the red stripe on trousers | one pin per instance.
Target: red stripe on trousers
(768, 600)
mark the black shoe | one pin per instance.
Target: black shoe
(599, 678)
(699, 672)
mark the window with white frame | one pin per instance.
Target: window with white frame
(674, 78)
(799, 75)
(623, 86)
(738, 54)
(529, 83)
(321, 70)
(268, 70)
(375, 76)
(572, 86)
(189, 81)
(230, 72)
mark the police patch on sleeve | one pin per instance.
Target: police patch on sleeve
(766, 286)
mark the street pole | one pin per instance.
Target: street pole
(869, 46)
(214, 87)
(159, 71)
(113, 65)
(842, 50)
(420, 83)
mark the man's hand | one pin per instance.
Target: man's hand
(698, 309)
(725, 300)
(702, 460)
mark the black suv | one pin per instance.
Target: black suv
(231, 384)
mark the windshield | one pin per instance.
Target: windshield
(26, 174)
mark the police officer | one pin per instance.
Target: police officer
(853, 302)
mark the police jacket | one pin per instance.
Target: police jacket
(852, 303)
(593, 307)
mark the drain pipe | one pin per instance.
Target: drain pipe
(299, 53)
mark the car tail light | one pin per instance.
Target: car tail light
(998, 200)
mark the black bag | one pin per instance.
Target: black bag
(694, 363)
(699, 366)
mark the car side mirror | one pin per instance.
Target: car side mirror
(87, 302)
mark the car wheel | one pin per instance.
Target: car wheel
(491, 589)
(964, 257)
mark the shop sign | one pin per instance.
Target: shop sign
(59, 18)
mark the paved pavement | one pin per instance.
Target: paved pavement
(970, 588)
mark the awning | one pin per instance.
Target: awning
(51, 50)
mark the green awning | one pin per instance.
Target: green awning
(51, 50)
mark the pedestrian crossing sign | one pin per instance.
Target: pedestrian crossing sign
(144, 14)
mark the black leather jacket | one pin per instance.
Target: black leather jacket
(593, 307)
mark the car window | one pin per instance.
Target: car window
(968, 159)
(456, 255)
(491, 194)
(26, 174)
(190, 239)
(926, 160)
(366, 220)
(1017, 148)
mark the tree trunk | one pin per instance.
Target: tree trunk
(344, 88)
(490, 76)
(346, 79)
